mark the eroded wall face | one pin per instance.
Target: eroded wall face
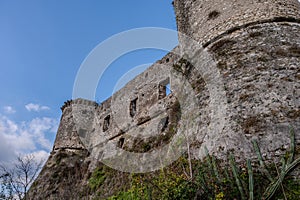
(137, 118)
(259, 66)
(135, 112)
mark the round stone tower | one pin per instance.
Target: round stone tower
(76, 120)
(207, 20)
(255, 46)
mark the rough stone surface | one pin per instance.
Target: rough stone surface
(260, 70)
(206, 19)
(244, 85)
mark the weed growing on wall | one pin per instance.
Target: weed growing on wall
(214, 180)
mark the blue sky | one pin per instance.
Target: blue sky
(42, 45)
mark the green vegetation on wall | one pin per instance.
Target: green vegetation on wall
(210, 179)
(97, 178)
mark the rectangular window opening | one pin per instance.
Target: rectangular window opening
(121, 142)
(168, 89)
(133, 107)
(106, 123)
(164, 89)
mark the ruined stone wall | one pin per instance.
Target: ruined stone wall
(244, 85)
(253, 55)
(87, 125)
(132, 111)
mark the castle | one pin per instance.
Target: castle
(239, 83)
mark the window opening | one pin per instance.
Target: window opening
(121, 142)
(132, 107)
(106, 123)
(164, 89)
(168, 89)
(164, 123)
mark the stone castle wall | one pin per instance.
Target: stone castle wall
(88, 125)
(242, 83)
(255, 48)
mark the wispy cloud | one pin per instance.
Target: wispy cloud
(25, 137)
(9, 110)
(40, 155)
(36, 107)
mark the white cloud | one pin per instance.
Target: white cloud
(5, 149)
(36, 107)
(40, 156)
(39, 126)
(9, 110)
(25, 137)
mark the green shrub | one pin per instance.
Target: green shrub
(97, 178)
(210, 180)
